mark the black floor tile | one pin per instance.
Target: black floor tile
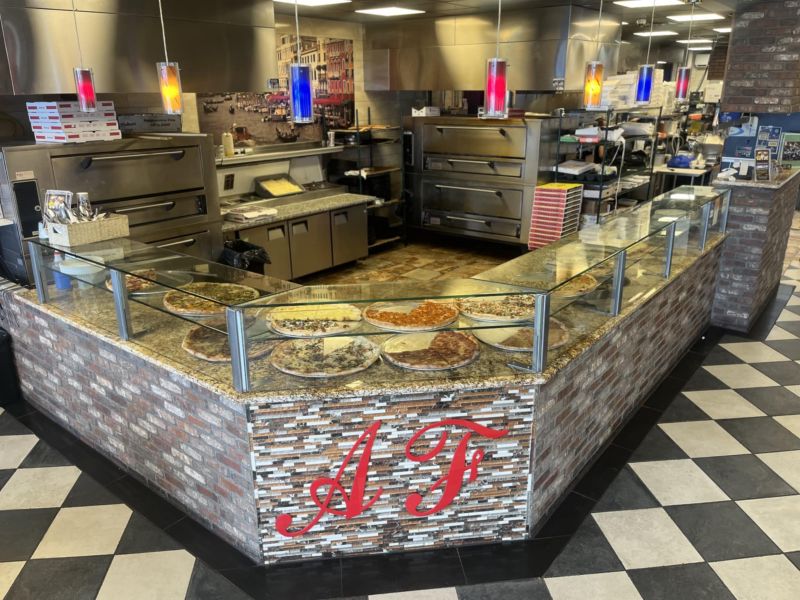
(792, 327)
(141, 499)
(588, 551)
(207, 584)
(785, 372)
(9, 425)
(681, 582)
(43, 455)
(720, 356)
(657, 445)
(703, 380)
(595, 482)
(5, 475)
(734, 338)
(708, 341)
(789, 348)
(401, 572)
(637, 428)
(525, 589)
(22, 530)
(761, 434)
(687, 366)
(141, 535)
(721, 531)
(627, 492)
(60, 579)
(794, 557)
(503, 562)
(744, 477)
(205, 545)
(665, 393)
(766, 321)
(773, 401)
(567, 517)
(87, 492)
(683, 409)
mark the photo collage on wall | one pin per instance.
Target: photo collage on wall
(265, 118)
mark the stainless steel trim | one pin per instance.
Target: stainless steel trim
(618, 282)
(704, 227)
(144, 207)
(488, 163)
(670, 247)
(237, 338)
(726, 205)
(121, 307)
(469, 189)
(500, 130)
(39, 275)
(481, 221)
(87, 162)
(541, 331)
(186, 242)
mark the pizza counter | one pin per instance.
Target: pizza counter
(302, 422)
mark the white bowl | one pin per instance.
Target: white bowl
(86, 272)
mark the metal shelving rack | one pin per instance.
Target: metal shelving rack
(613, 118)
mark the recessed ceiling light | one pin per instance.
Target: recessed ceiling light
(695, 17)
(314, 2)
(655, 33)
(700, 48)
(695, 41)
(390, 11)
(647, 3)
(722, 29)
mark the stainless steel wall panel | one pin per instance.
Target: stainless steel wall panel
(517, 26)
(415, 33)
(249, 13)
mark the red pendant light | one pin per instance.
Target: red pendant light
(169, 77)
(84, 78)
(496, 92)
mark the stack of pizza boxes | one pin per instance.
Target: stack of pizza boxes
(62, 122)
(556, 213)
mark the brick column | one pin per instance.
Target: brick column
(762, 73)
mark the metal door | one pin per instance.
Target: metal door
(310, 243)
(274, 238)
(349, 234)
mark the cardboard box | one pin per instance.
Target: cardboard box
(57, 107)
(426, 111)
(45, 116)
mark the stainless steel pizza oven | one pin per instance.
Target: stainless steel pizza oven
(476, 177)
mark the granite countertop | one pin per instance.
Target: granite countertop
(782, 179)
(294, 209)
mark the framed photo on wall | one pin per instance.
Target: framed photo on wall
(790, 149)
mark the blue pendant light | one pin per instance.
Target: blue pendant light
(644, 83)
(300, 94)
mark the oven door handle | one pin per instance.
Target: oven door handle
(481, 221)
(187, 242)
(497, 193)
(170, 204)
(488, 163)
(500, 130)
(89, 160)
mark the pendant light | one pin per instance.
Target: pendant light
(495, 106)
(300, 93)
(644, 83)
(169, 77)
(593, 80)
(84, 78)
(685, 72)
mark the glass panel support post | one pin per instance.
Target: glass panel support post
(39, 273)
(121, 306)
(618, 283)
(669, 249)
(238, 341)
(541, 331)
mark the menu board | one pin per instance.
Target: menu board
(769, 136)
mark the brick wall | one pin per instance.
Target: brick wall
(179, 438)
(717, 62)
(762, 73)
(759, 222)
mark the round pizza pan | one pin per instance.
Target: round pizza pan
(409, 339)
(370, 351)
(495, 337)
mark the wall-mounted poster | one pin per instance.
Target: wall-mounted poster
(265, 118)
(790, 149)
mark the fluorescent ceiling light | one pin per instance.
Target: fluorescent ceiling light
(695, 41)
(625, 23)
(722, 29)
(655, 33)
(647, 3)
(699, 48)
(695, 17)
(661, 62)
(314, 2)
(390, 11)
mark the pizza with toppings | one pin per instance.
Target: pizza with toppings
(514, 307)
(431, 351)
(411, 315)
(577, 286)
(314, 321)
(325, 357)
(136, 282)
(206, 298)
(213, 344)
(520, 339)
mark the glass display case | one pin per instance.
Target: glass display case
(262, 334)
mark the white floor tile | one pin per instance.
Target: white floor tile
(778, 334)
(791, 422)
(678, 482)
(785, 464)
(163, 575)
(703, 438)
(779, 518)
(753, 352)
(740, 376)
(793, 301)
(601, 586)
(787, 316)
(761, 578)
(46, 487)
(792, 274)
(14, 449)
(84, 531)
(8, 573)
(723, 404)
(646, 538)
(437, 594)
(795, 389)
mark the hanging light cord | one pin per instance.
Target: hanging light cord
(77, 36)
(497, 38)
(650, 39)
(599, 22)
(297, 30)
(689, 41)
(163, 32)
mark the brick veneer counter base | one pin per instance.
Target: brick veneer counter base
(759, 222)
(244, 467)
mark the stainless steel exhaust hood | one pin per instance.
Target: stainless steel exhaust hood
(450, 53)
(219, 48)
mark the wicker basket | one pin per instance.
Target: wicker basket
(78, 234)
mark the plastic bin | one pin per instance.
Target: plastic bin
(244, 255)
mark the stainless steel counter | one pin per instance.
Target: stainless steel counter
(279, 152)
